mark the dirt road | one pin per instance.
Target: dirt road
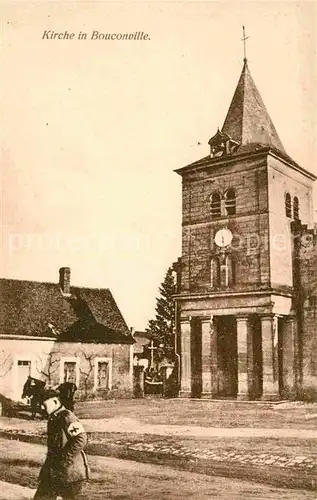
(128, 480)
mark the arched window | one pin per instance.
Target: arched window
(230, 201)
(214, 272)
(295, 208)
(215, 204)
(231, 265)
(288, 205)
(227, 272)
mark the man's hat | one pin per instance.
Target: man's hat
(49, 393)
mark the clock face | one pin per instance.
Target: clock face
(223, 237)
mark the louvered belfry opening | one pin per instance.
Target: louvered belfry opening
(230, 201)
(215, 204)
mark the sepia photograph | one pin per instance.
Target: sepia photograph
(158, 268)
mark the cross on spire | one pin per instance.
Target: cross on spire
(244, 39)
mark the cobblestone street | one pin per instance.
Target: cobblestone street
(302, 462)
(275, 456)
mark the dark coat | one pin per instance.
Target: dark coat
(66, 461)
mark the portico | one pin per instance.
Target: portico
(244, 354)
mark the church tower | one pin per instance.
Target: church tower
(239, 334)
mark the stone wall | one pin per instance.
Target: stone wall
(282, 180)
(305, 303)
(308, 297)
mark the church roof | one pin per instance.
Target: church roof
(37, 309)
(247, 130)
(247, 120)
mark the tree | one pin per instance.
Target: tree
(161, 329)
(86, 374)
(49, 366)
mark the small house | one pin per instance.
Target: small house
(57, 333)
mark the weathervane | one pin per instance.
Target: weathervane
(244, 39)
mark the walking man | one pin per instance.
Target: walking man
(65, 469)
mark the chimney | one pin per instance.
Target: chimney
(64, 280)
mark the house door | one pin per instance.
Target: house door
(23, 371)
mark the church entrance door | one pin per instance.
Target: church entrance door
(227, 356)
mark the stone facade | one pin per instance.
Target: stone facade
(250, 226)
(242, 331)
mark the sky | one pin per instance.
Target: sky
(92, 130)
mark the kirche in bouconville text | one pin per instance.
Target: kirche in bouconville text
(95, 35)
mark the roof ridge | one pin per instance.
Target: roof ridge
(52, 283)
(21, 280)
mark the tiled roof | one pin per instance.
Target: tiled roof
(40, 310)
(247, 120)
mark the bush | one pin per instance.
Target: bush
(307, 394)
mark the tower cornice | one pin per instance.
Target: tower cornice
(258, 151)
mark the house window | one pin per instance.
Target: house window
(288, 205)
(103, 373)
(230, 201)
(295, 208)
(27, 364)
(215, 204)
(69, 370)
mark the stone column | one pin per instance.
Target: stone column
(206, 345)
(186, 382)
(214, 357)
(242, 336)
(252, 380)
(289, 354)
(270, 377)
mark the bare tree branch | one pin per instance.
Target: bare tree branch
(3, 362)
(86, 373)
(49, 367)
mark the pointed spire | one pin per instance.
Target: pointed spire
(247, 120)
